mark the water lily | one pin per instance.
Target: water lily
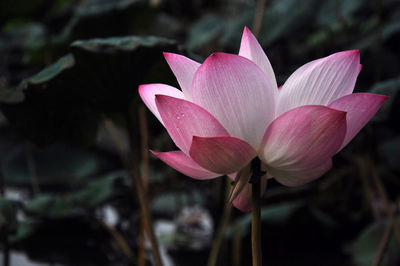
(230, 110)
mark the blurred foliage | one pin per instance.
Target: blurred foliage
(366, 246)
(69, 64)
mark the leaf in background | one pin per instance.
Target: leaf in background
(21, 47)
(52, 108)
(24, 230)
(58, 164)
(75, 203)
(390, 149)
(392, 26)
(68, 241)
(13, 9)
(390, 88)
(205, 31)
(275, 214)
(65, 101)
(116, 18)
(334, 11)
(8, 215)
(169, 203)
(365, 247)
(282, 18)
(8, 95)
(233, 30)
(114, 68)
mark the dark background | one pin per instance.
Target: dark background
(69, 109)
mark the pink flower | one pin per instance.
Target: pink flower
(230, 110)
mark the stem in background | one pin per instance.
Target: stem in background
(367, 189)
(145, 171)
(120, 241)
(384, 197)
(212, 259)
(141, 261)
(338, 11)
(258, 17)
(383, 244)
(237, 245)
(144, 135)
(140, 189)
(379, 40)
(255, 181)
(256, 225)
(6, 246)
(6, 251)
(32, 173)
(2, 185)
(132, 166)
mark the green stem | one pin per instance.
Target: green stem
(255, 180)
(140, 189)
(237, 245)
(256, 225)
(6, 250)
(213, 258)
(258, 17)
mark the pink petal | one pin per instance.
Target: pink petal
(243, 200)
(303, 138)
(223, 155)
(298, 177)
(184, 119)
(184, 69)
(148, 91)
(184, 164)
(251, 49)
(238, 93)
(320, 82)
(360, 108)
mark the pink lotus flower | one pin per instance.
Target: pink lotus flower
(230, 111)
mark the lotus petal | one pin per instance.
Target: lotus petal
(148, 94)
(238, 93)
(223, 155)
(251, 49)
(303, 138)
(184, 119)
(320, 82)
(184, 164)
(360, 108)
(184, 69)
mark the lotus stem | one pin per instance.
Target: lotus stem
(140, 188)
(120, 241)
(213, 258)
(132, 166)
(145, 170)
(255, 180)
(258, 17)
(383, 245)
(237, 245)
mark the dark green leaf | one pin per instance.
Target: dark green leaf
(66, 100)
(8, 215)
(116, 18)
(168, 203)
(389, 88)
(75, 203)
(282, 18)
(365, 247)
(272, 214)
(205, 31)
(58, 164)
(390, 149)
